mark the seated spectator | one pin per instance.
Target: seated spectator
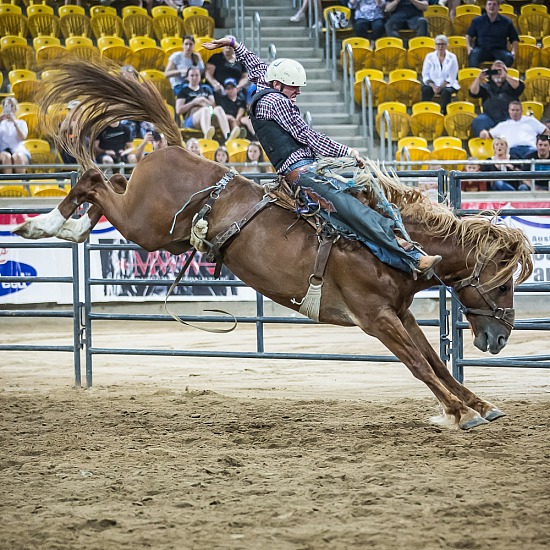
(66, 128)
(543, 153)
(501, 156)
(300, 15)
(196, 103)
(13, 132)
(440, 73)
(488, 36)
(473, 185)
(497, 89)
(114, 145)
(222, 66)
(193, 146)
(180, 62)
(255, 156)
(519, 131)
(368, 17)
(234, 105)
(406, 14)
(157, 140)
(221, 155)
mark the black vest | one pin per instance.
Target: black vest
(277, 143)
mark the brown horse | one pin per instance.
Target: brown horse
(275, 252)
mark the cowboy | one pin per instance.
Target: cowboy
(293, 148)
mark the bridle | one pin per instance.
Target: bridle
(505, 315)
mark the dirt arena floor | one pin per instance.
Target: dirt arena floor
(188, 453)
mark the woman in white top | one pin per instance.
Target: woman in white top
(180, 62)
(440, 73)
(13, 133)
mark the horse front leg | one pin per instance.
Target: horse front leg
(484, 408)
(388, 328)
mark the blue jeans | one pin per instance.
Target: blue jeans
(482, 122)
(522, 151)
(479, 55)
(362, 27)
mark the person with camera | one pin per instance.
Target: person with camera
(497, 89)
(157, 141)
(13, 132)
(488, 36)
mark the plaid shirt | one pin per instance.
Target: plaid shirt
(284, 112)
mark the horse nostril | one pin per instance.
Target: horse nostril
(502, 340)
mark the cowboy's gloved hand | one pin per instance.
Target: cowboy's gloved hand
(361, 162)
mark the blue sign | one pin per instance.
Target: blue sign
(15, 269)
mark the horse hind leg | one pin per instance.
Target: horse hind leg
(79, 230)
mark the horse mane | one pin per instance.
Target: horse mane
(106, 95)
(491, 241)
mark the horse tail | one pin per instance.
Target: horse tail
(106, 95)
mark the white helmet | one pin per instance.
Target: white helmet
(287, 71)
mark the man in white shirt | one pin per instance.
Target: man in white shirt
(519, 131)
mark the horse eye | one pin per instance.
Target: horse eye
(503, 288)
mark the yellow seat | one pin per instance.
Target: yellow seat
(545, 52)
(171, 45)
(47, 49)
(28, 112)
(377, 83)
(403, 86)
(465, 13)
(514, 73)
(82, 47)
(533, 108)
(105, 24)
(527, 54)
(138, 24)
(427, 120)
(147, 55)
(439, 21)
(167, 23)
(534, 21)
(480, 148)
(360, 50)
(68, 9)
(450, 153)
(399, 119)
(340, 32)
(49, 190)
(199, 25)
(12, 21)
(459, 118)
(419, 48)
(389, 54)
(160, 82)
(24, 84)
(8, 191)
(42, 21)
(537, 84)
(114, 48)
(457, 45)
(412, 141)
(16, 53)
(204, 53)
(133, 10)
(194, 10)
(465, 79)
(138, 141)
(97, 10)
(208, 147)
(40, 152)
(446, 141)
(414, 154)
(74, 22)
(237, 149)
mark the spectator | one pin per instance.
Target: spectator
(497, 89)
(406, 14)
(13, 132)
(221, 155)
(66, 128)
(234, 105)
(542, 153)
(473, 185)
(222, 66)
(193, 146)
(300, 15)
(255, 157)
(488, 35)
(369, 16)
(157, 140)
(440, 73)
(196, 103)
(501, 154)
(114, 145)
(519, 131)
(180, 62)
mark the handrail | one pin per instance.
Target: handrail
(256, 32)
(404, 153)
(367, 108)
(330, 47)
(238, 7)
(385, 121)
(271, 52)
(314, 20)
(348, 77)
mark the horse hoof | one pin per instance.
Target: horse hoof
(493, 414)
(473, 423)
(45, 225)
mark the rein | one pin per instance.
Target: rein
(505, 315)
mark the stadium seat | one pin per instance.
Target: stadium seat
(47, 49)
(105, 24)
(533, 108)
(40, 152)
(427, 120)
(81, 47)
(194, 10)
(527, 54)
(12, 21)
(534, 21)
(97, 10)
(28, 111)
(446, 141)
(138, 141)
(450, 153)
(74, 21)
(537, 84)
(171, 45)
(439, 21)
(237, 149)
(16, 53)
(361, 52)
(114, 48)
(24, 84)
(459, 118)
(480, 148)
(545, 52)
(161, 11)
(508, 11)
(343, 32)
(465, 13)
(403, 86)
(208, 147)
(399, 119)
(8, 191)
(166, 22)
(138, 24)
(415, 153)
(377, 83)
(161, 83)
(147, 55)
(199, 25)
(133, 10)
(42, 21)
(419, 48)
(457, 45)
(49, 190)
(389, 54)
(465, 79)
(412, 141)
